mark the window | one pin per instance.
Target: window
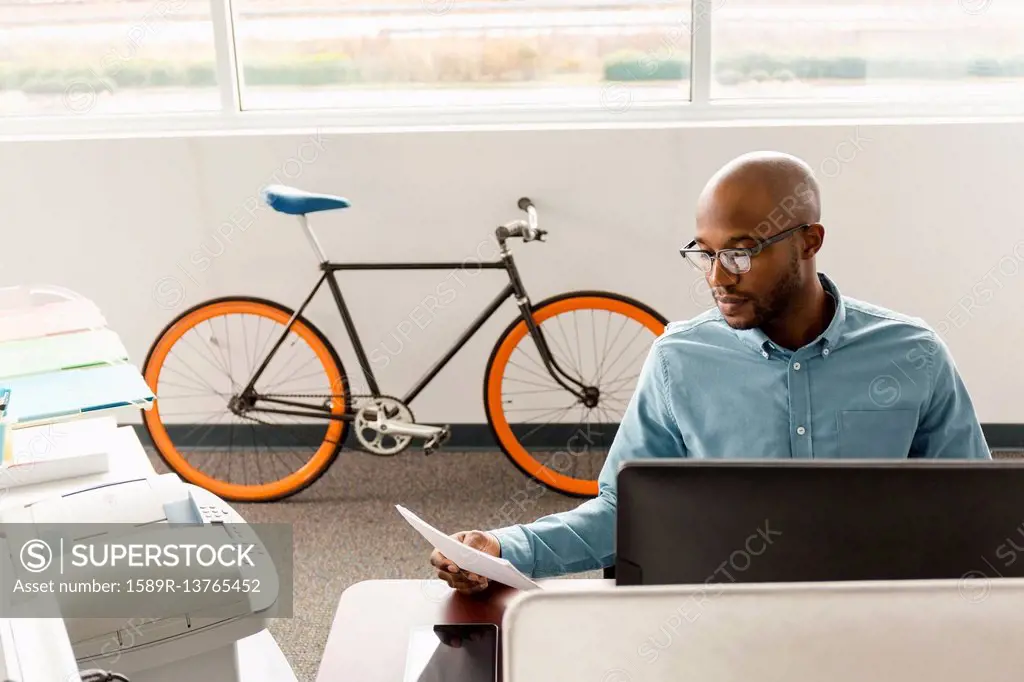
(70, 64)
(881, 50)
(484, 53)
(99, 57)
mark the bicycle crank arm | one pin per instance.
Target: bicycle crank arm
(434, 435)
(397, 428)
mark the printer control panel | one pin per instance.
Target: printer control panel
(208, 508)
(212, 514)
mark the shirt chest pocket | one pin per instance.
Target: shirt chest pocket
(876, 434)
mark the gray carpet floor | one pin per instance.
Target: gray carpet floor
(346, 529)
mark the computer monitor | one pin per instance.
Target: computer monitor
(721, 521)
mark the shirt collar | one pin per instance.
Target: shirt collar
(827, 341)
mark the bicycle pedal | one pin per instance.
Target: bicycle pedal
(435, 442)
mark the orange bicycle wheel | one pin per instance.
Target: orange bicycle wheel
(601, 339)
(255, 456)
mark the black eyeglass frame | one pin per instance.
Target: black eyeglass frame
(747, 251)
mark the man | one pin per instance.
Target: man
(783, 367)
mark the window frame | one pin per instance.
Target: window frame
(700, 110)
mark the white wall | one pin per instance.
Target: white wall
(916, 217)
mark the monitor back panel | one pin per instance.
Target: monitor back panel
(847, 632)
(694, 522)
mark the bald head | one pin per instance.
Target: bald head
(746, 202)
(768, 191)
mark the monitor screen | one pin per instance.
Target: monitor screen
(704, 521)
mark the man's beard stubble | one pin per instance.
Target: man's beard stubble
(773, 307)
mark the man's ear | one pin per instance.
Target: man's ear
(814, 237)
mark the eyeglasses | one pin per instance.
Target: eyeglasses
(736, 261)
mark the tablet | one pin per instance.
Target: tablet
(463, 652)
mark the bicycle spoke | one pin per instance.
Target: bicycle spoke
(164, 399)
(575, 368)
(227, 334)
(272, 338)
(529, 357)
(270, 382)
(215, 347)
(245, 347)
(254, 360)
(549, 411)
(615, 385)
(185, 376)
(611, 419)
(539, 376)
(533, 431)
(608, 346)
(263, 449)
(200, 425)
(523, 381)
(644, 351)
(578, 351)
(304, 376)
(220, 368)
(547, 390)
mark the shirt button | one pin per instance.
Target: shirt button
(825, 352)
(801, 430)
(764, 353)
(796, 366)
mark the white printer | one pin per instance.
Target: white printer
(196, 635)
(35, 650)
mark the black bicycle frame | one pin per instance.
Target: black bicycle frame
(514, 288)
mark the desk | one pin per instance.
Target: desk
(369, 635)
(260, 658)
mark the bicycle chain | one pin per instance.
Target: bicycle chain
(366, 396)
(328, 395)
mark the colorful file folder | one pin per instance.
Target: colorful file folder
(72, 393)
(61, 351)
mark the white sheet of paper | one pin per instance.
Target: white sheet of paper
(468, 558)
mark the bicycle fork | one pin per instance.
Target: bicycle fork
(587, 395)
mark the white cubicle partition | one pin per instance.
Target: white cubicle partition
(933, 631)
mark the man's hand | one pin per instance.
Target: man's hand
(463, 581)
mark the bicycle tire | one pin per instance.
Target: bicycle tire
(498, 423)
(326, 453)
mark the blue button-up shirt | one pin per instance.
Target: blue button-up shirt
(875, 384)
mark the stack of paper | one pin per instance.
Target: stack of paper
(59, 362)
(57, 451)
(45, 319)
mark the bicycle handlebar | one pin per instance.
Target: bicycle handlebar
(527, 229)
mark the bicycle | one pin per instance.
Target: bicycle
(531, 357)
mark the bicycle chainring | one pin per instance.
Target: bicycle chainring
(368, 432)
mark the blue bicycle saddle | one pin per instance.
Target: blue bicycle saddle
(299, 202)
